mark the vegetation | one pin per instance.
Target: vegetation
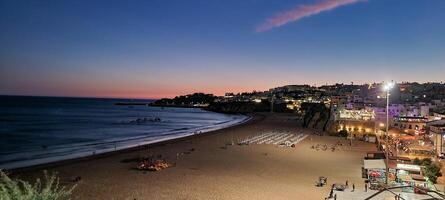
(11, 189)
(423, 162)
(231, 107)
(187, 100)
(430, 170)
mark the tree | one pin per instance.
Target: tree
(426, 162)
(432, 171)
(417, 161)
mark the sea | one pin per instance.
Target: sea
(38, 130)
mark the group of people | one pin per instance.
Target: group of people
(332, 147)
(318, 147)
(324, 147)
(332, 195)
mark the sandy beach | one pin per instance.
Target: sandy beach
(208, 171)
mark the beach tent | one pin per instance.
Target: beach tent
(374, 169)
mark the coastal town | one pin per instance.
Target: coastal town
(405, 121)
(222, 100)
(343, 141)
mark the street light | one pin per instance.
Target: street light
(387, 87)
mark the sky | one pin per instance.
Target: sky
(164, 48)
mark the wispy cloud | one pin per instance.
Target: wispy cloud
(302, 11)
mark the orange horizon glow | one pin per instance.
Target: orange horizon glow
(143, 91)
(133, 94)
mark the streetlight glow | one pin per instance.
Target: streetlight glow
(388, 86)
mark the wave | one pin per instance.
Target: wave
(48, 154)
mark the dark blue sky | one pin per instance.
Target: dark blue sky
(162, 48)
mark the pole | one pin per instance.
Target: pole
(387, 135)
(397, 149)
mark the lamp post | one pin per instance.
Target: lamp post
(387, 87)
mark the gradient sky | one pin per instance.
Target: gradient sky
(163, 48)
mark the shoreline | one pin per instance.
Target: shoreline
(206, 163)
(249, 118)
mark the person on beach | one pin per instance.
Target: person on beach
(353, 187)
(346, 182)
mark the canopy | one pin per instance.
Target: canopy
(408, 167)
(374, 164)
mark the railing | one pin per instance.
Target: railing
(442, 196)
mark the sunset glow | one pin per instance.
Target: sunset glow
(154, 49)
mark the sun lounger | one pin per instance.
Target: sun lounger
(283, 139)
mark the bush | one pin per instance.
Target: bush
(417, 161)
(21, 190)
(432, 171)
(426, 162)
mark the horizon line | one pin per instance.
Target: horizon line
(152, 98)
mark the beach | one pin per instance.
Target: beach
(206, 168)
(38, 130)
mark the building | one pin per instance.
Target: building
(410, 125)
(339, 101)
(437, 132)
(358, 123)
(437, 116)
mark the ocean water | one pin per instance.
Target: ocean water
(36, 130)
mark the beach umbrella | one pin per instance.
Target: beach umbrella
(374, 174)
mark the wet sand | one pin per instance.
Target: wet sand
(213, 172)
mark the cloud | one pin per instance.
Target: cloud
(302, 11)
